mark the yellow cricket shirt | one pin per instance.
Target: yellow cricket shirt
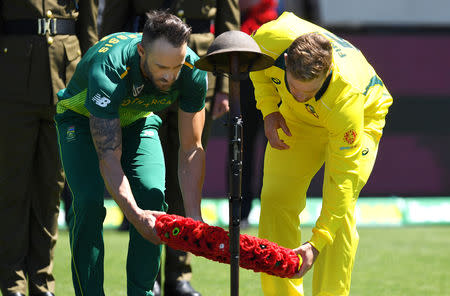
(352, 101)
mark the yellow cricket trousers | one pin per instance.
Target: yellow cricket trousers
(287, 175)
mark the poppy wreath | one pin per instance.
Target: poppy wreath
(213, 242)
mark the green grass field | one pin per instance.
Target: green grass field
(390, 261)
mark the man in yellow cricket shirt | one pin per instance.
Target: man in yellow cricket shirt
(322, 102)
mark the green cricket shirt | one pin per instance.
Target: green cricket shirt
(108, 83)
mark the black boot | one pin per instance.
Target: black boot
(180, 288)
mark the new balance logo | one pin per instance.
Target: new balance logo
(101, 101)
(137, 90)
(148, 133)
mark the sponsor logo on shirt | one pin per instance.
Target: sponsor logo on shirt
(101, 101)
(365, 151)
(137, 90)
(350, 136)
(148, 133)
(276, 80)
(146, 103)
(311, 110)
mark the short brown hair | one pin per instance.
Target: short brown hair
(309, 56)
(161, 24)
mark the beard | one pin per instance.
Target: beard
(160, 83)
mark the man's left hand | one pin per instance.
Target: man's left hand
(221, 105)
(309, 255)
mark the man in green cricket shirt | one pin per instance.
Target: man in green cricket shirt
(108, 136)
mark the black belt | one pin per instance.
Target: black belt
(199, 26)
(40, 26)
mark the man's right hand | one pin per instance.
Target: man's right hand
(221, 105)
(145, 225)
(272, 123)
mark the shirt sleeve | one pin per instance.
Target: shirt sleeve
(341, 183)
(105, 91)
(266, 95)
(193, 90)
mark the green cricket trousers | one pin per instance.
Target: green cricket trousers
(143, 164)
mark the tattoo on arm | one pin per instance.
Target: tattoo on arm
(107, 135)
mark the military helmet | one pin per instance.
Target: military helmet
(217, 58)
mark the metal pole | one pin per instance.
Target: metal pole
(235, 171)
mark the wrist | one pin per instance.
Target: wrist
(314, 249)
(318, 240)
(133, 214)
(194, 213)
(196, 218)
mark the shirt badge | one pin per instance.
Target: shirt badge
(311, 110)
(70, 134)
(350, 136)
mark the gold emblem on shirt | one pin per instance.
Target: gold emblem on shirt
(311, 110)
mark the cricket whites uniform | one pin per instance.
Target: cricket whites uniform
(341, 127)
(108, 84)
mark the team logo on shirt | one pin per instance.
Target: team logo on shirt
(101, 101)
(311, 110)
(350, 136)
(70, 134)
(137, 90)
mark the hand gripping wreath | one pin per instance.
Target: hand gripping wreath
(212, 242)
